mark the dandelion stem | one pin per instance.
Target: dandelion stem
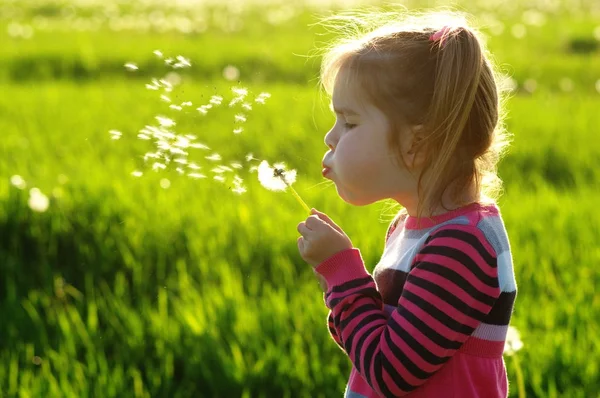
(520, 381)
(298, 198)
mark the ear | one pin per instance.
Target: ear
(415, 150)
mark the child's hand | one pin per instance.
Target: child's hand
(321, 238)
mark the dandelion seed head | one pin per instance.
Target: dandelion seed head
(513, 341)
(38, 202)
(272, 178)
(18, 182)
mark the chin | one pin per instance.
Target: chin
(353, 199)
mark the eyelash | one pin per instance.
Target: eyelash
(349, 126)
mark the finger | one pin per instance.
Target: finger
(300, 242)
(303, 229)
(328, 220)
(313, 222)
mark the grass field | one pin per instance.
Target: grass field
(169, 286)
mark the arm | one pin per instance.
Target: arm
(452, 286)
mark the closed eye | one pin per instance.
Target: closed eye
(349, 126)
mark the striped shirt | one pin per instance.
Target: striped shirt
(432, 320)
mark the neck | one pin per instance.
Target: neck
(411, 203)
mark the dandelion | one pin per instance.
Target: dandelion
(238, 130)
(137, 173)
(130, 66)
(18, 182)
(38, 202)
(277, 178)
(513, 341)
(513, 344)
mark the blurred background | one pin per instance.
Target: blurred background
(124, 275)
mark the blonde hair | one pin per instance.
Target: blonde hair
(448, 86)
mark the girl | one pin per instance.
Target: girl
(418, 121)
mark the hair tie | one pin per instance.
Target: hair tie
(440, 35)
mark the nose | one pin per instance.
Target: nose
(329, 140)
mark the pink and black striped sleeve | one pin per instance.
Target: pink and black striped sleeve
(330, 320)
(451, 287)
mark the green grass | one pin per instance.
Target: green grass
(123, 288)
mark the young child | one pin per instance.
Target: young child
(418, 121)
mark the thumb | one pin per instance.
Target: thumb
(328, 220)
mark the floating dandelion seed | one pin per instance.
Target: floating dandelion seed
(165, 121)
(216, 100)
(158, 166)
(214, 157)
(180, 170)
(190, 137)
(250, 157)
(236, 165)
(240, 118)
(169, 61)
(218, 170)
(186, 103)
(262, 97)
(253, 169)
(176, 107)
(196, 175)
(131, 66)
(137, 173)
(198, 145)
(239, 190)
(165, 98)
(247, 106)
(115, 134)
(194, 166)
(158, 53)
(277, 178)
(240, 91)
(219, 178)
(143, 136)
(238, 130)
(182, 62)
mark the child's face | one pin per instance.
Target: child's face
(359, 161)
